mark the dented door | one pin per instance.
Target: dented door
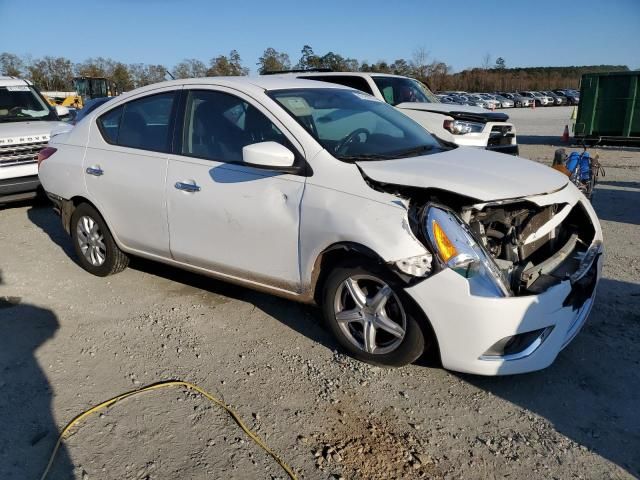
(236, 220)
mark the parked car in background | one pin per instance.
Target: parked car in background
(323, 194)
(504, 102)
(27, 122)
(451, 99)
(461, 124)
(476, 100)
(517, 99)
(573, 96)
(491, 101)
(473, 100)
(557, 99)
(538, 99)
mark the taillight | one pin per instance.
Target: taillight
(45, 153)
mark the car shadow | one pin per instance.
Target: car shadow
(49, 222)
(590, 393)
(304, 319)
(621, 184)
(615, 205)
(541, 140)
(556, 140)
(29, 431)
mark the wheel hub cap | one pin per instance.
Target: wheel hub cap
(91, 241)
(370, 314)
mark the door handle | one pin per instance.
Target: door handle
(95, 171)
(187, 187)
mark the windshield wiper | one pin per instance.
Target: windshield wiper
(370, 156)
(411, 151)
(388, 156)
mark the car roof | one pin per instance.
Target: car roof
(12, 81)
(340, 74)
(245, 83)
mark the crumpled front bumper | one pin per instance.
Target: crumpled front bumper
(468, 326)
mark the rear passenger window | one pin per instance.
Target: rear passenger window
(143, 123)
(110, 123)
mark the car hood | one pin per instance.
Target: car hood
(459, 112)
(20, 131)
(479, 174)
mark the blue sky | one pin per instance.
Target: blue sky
(524, 33)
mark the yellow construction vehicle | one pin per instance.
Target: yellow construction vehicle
(64, 99)
(94, 87)
(86, 88)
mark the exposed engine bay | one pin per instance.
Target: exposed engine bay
(535, 247)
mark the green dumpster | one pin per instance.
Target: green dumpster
(609, 107)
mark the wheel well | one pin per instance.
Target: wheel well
(67, 208)
(347, 253)
(354, 254)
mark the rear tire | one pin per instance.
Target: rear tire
(385, 333)
(94, 245)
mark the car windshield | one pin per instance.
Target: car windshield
(352, 125)
(22, 102)
(396, 90)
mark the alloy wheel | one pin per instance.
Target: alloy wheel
(370, 314)
(91, 241)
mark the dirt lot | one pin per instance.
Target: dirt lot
(69, 340)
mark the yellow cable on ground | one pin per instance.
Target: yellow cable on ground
(157, 386)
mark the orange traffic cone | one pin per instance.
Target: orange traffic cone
(565, 134)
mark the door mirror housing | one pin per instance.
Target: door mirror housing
(268, 154)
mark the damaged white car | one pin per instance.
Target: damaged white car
(323, 194)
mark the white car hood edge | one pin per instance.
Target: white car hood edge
(479, 174)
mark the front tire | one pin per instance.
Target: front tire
(371, 317)
(94, 245)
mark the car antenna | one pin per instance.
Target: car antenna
(169, 73)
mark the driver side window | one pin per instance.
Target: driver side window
(218, 125)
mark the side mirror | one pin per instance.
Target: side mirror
(62, 111)
(268, 154)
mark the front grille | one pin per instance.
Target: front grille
(20, 154)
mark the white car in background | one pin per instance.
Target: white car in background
(26, 124)
(324, 194)
(465, 125)
(539, 99)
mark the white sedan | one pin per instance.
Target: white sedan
(324, 194)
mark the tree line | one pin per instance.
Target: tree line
(56, 73)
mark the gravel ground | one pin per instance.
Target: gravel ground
(69, 340)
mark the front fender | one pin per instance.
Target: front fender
(330, 217)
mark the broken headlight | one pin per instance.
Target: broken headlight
(453, 243)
